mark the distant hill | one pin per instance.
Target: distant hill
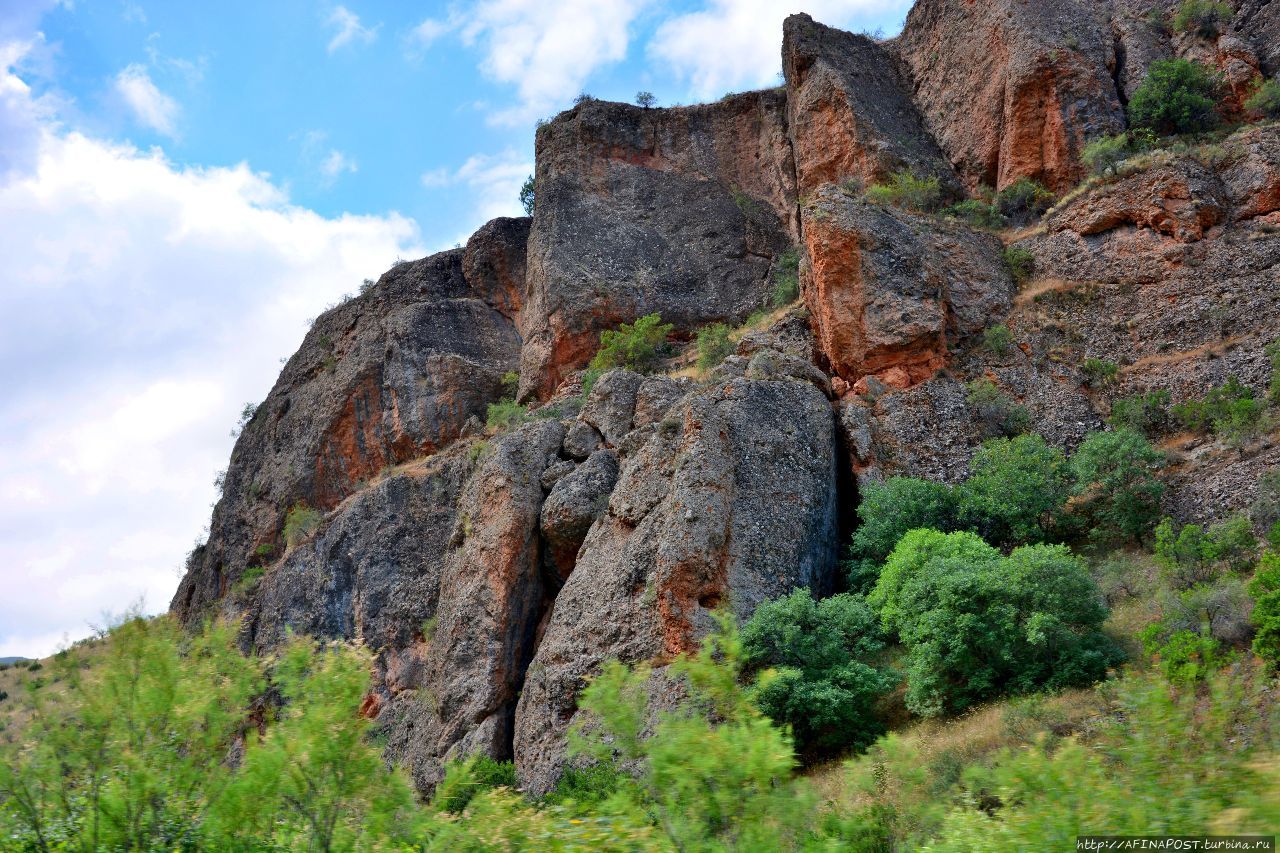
(11, 660)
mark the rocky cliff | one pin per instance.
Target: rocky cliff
(493, 572)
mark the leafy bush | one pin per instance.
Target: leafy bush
(997, 414)
(466, 779)
(1024, 201)
(1185, 657)
(639, 346)
(1177, 96)
(1115, 474)
(1015, 491)
(1265, 590)
(1020, 263)
(645, 99)
(1105, 154)
(1146, 413)
(528, 192)
(786, 279)
(1265, 100)
(586, 786)
(887, 512)
(1190, 555)
(978, 213)
(1229, 411)
(1202, 17)
(299, 523)
(998, 339)
(818, 675)
(921, 195)
(1099, 373)
(977, 624)
(713, 345)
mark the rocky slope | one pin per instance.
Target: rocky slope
(493, 574)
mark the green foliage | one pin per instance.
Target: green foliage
(506, 414)
(977, 624)
(528, 192)
(1099, 373)
(1265, 100)
(1273, 387)
(713, 345)
(905, 190)
(1229, 411)
(978, 213)
(1185, 657)
(1145, 413)
(887, 512)
(638, 346)
(1115, 474)
(1105, 154)
(715, 774)
(998, 339)
(299, 523)
(1019, 262)
(1202, 17)
(995, 412)
(464, 780)
(249, 580)
(1177, 96)
(646, 100)
(786, 279)
(588, 786)
(819, 676)
(1024, 201)
(1015, 491)
(1265, 590)
(1165, 762)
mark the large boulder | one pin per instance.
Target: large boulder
(731, 501)
(849, 113)
(675, 211)
(1012, 89)
(888, 291)
(387, 376)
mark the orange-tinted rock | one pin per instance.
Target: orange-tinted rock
(887, 291)
(1013, 89)
(849, 113)
(494, 264)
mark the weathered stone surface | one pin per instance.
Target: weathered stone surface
(494, 264)
(676, 211)
(612, 404)
(887, 291)
(1013, 89)
(731, 500)
(568, 512)
(582, 440)
(492, 596)
(849, 113)
(655, 397)
(1258, 21)
(387, 376)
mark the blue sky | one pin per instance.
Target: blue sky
(183, 184)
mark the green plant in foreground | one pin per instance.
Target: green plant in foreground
(299, 523)
(1265, 590)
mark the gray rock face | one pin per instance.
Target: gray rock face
(385, 377)
(732, 500)
(677, 211)
(575, 502)
(850, 114)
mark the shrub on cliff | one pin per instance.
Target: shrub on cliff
(1105, 154)
(905, 190)
(638, 346)
(978, 213)
(995, 411)
(886, 513)
(1202, 17)
(1177, 96)
(977, 624)
(1230, 411)
(713, 345)
(1019, 262)
(817, 672)
(1024, 201)
(1015, 491)
(299, 523)
(1115, 474)
(786, 279)
(527, 195)
(1189, 554)
(1145, 413)
(1265, 100)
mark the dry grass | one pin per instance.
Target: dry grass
(684, 365)
(45, 684)
(1040, 286)
(1214, 348)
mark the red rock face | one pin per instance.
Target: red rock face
(1013, 89)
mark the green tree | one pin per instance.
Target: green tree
(1016, 490)
(1177, 96)
(1115, 478)
(978, 625)
(1265, 590)
(527, 195)
(1145, 413)
(1265, 100)
(646, 99)
(914, 554)
(817, 668)
(1203, 17)
(886, 512)
(638, 346)
(714, 345)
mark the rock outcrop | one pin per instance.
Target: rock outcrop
(676, 211)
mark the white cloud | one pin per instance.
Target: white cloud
(132, 13)
(493, 181)
(547, 50)
(427, 33)
(348, 29)
(336, 163)
(143, 304)
(150, 106)
(735, 44)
